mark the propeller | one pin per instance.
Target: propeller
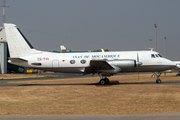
(138, 63)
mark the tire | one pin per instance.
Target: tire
(106, 80)
(102, 82)
(178, 75)
(158, 81)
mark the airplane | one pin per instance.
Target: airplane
(62, 48)
(105, 64)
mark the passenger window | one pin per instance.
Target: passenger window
(152, 56)
(72, 61)
(83, 61)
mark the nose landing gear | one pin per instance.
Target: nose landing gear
(158, 80)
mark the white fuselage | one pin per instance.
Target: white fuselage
(76, 62)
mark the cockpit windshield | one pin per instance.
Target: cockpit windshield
(160, 55)
(155, 55)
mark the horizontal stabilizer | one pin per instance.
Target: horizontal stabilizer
(17, 60)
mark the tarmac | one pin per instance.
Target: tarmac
(6, 82)
(165, 116)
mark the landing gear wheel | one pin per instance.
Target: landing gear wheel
(106, 80)
(178, 75)
(158, 81)
(102, 82)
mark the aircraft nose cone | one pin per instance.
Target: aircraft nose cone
(178, 66)
(172, 65)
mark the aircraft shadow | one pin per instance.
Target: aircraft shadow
(111, 83)
(96, 84)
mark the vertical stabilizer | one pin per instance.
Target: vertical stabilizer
(17, 43)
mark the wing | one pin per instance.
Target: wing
(96, 65)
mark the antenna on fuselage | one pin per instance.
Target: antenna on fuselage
(151, 49)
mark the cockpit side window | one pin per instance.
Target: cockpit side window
(152, 56)
(160, 55)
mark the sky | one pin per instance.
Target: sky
(117, 25)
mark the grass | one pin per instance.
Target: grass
(91, 99)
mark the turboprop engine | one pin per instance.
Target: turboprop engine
(123, 63)
(119, 64)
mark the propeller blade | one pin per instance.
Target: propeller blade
(138, 64)
(138, 72)
(137, 57)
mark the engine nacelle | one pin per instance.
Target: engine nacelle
(118, 65)
(126, 63)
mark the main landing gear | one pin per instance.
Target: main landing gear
(104, 80)
(178, 74)
(158, 80)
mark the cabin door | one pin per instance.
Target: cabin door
(55, 63)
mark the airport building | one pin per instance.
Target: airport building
(3, 52)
